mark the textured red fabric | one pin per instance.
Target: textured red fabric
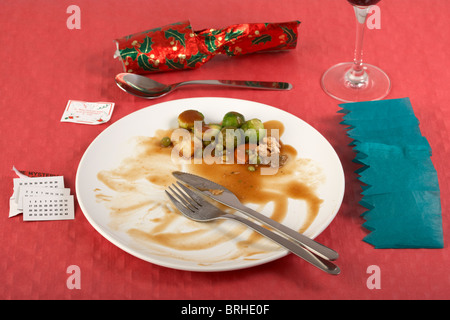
(45, 64)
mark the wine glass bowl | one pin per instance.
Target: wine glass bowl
(356, 81)
(363, 3)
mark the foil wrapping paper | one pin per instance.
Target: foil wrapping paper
(178, 47)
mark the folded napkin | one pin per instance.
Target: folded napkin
(178, 47)
(400, 184)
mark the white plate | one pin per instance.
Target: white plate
(110, 147)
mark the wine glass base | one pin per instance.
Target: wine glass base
(336, 84)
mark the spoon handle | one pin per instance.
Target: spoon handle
(265, 85)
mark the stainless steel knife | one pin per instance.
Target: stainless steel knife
(223, 195)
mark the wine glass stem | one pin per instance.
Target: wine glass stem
(357, 76)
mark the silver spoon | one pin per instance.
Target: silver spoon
(147, 88)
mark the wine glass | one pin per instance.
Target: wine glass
(355, 81)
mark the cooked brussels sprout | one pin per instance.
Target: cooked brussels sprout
(218, 150)
(233, 119)
(210, 133)
(231, 137)
(253, 130)
(199, 130)
(187, 118)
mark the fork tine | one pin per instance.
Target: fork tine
(177, 204)
(179, 199)
(192, 194)
(183, 198)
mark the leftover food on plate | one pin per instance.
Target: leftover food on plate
(245, 155)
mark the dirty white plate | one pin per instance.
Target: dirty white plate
(111, 146)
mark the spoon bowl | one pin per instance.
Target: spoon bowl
(147, 88)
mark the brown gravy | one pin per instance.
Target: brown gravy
(150, 162)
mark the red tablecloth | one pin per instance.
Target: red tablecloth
(45, 64)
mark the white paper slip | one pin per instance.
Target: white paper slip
(87, 112)
(44, 208)
(43, 182)
(31, 191)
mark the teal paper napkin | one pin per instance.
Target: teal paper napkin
(400, 184)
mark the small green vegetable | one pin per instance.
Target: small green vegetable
(233, 119)
(211, 133)
(252, 131)
(231, 137)
(186, 119)
(165, 142)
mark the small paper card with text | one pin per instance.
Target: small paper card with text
(87, 112)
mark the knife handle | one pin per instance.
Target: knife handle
(293, 247)
(310, 244)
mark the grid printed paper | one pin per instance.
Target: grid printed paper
(43, 208)
(43, 182)
(31, 191)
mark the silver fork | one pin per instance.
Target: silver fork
(196, 208)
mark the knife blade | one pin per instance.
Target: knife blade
(222, 195)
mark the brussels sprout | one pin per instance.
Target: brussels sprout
(231, 137)
(233, 119)
(199, 130)
(215, 126)
(210, 133)
(218, 150)
(253, 130)
(187, 118)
